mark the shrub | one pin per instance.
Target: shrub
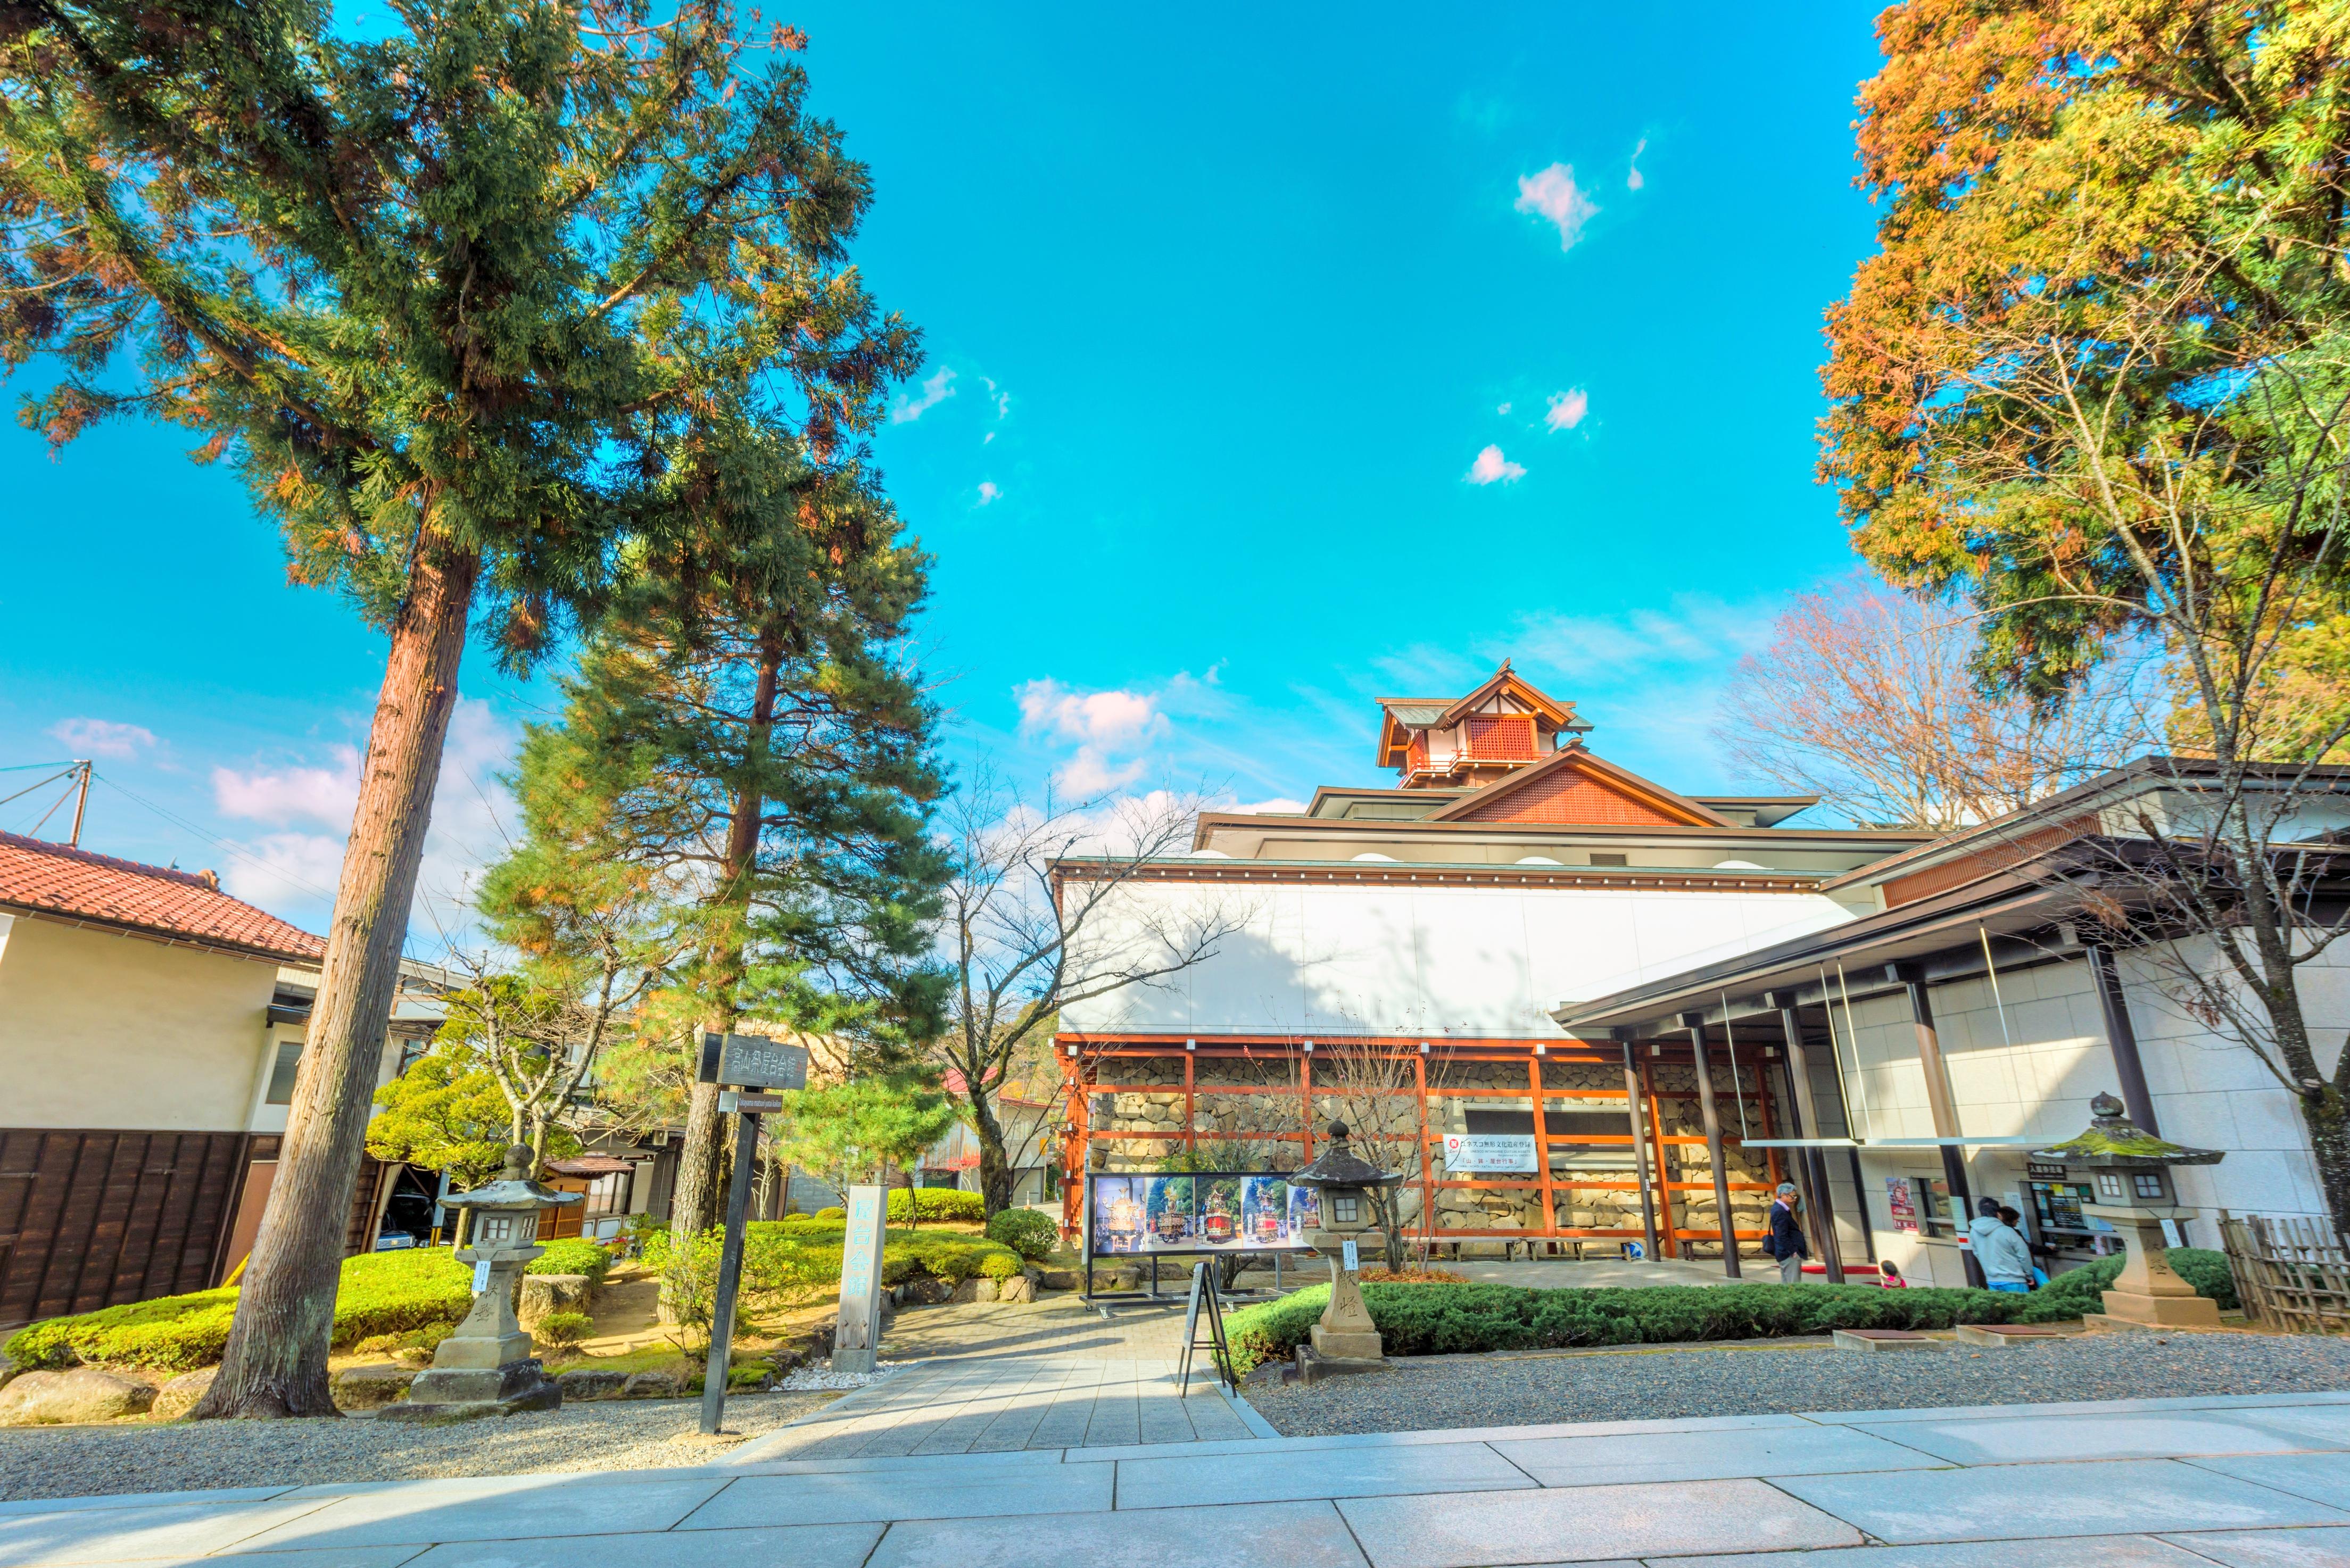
(926, 1204)
(836, 1215)
(791, 1260)
(572, 1257)
(1438, 1319)
(562, 1330)
(1001, 1265)
(379, 1293)
(1026, 1232)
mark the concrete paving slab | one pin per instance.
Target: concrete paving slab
(2322, 1547)
(2104, 1552)
(807, 1546)
(1473, 1530)
(2321, 1477)
(2033, 1439)
(758, 1501)
(114, 1534)
(915, 1464)
(2112, 1497)
(1346, 1473)
(433, 1512)
(139, 1499)
(1242, 1535)
(365, 1557)
(1706, 1456)
(2321, 1426)
(1281, 1445)
(2081, 1407)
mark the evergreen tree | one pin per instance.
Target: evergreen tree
(479, 304)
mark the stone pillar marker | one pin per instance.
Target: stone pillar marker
(486, 1367)
(2129, 1171)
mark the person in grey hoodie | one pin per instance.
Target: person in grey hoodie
(2000, 1248)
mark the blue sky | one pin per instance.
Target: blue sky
(1276, 362)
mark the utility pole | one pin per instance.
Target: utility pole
(81, 803)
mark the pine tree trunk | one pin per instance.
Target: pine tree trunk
(275, 1360)
(700, 1164)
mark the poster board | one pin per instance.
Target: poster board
(1902, 1202)
(1503, 1153)
(1197, 1211)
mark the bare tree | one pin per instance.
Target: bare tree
(1868, 698)
(1041, 915)
(1374, 1090)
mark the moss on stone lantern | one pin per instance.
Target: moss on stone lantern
(2129, 1171)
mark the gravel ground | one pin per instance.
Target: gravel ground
(1535, 1389)
(179, 1455)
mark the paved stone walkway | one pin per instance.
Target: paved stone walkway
(2248, 1481)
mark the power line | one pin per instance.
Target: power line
(229, 844)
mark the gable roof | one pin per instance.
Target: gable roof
(1400, 715)
(41, 879)
(1560, 774)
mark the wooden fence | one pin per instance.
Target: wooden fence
(2291, 1274)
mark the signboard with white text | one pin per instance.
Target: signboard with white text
(1506, 1152)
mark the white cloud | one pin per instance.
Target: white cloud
(1567, 409)
(1002, 399)
(1503, 410)
(1113, 718)
(1554, 194)
(1090, 773)
(935, 390)
(1280, 806)
(321, 795)
(988, 492)
(1490, 466)
(284, 871)
(102, 738)
(1633, 178)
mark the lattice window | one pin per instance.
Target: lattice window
(1502, 737)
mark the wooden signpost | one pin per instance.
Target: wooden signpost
(747, 1063)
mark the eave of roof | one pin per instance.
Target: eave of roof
(1366, 828)
(1577, 756)
(61, 885)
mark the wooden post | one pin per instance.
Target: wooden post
(1305, 1104)
(1664, 1169)
(1640, 1146)
(2121, 1039)
(1542, 1153)
(1805, 1116)
(1940, 1104)
(1695, 1023)
(1427, 1174)
(1191, 1118)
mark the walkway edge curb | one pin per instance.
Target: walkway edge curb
(1257, 1425)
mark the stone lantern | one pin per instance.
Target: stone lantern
(2128, 1171)
(486, 1367)
(1345, 1340)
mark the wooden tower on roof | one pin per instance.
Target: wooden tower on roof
(1464, 742)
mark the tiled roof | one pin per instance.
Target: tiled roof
(49, 879)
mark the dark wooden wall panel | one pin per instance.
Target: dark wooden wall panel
(96, 1218)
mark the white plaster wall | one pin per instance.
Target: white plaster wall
(1387, 959)
(105, 1031)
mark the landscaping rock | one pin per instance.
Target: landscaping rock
(1061, 1279)
(591, 1383)
(986, 1291)
(1019, 1288)
(1117, 1279)
(179, 1395)
(80, 1394)
(544, 1294)
(652, 1386)
(372, 1387)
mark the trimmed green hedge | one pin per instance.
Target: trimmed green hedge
(381, 1293)
(800, 1256)
(1026, 1232)
(572, 1257)
(1439, 1319)
(930, 1203)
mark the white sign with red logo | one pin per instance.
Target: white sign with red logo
(1506, 1152)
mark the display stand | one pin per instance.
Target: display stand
(1205, 1293)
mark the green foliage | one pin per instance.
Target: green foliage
(1027, 1233)
(795, 1259)
(1001, 1265)
(848, 1129)
(571, 1256)
(1448, 1319)
(937, 1203)
(446, 1112)
(379, 1293)
(559, 1330)
(2078, 1290)
(833, 1215)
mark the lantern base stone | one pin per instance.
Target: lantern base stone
(2123, 1307)
(1314, 1364)
(468, 1393)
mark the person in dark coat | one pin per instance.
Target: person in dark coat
(1786, 1242)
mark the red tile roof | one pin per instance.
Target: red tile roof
(41, 878)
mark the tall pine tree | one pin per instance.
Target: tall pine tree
(458, 300)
